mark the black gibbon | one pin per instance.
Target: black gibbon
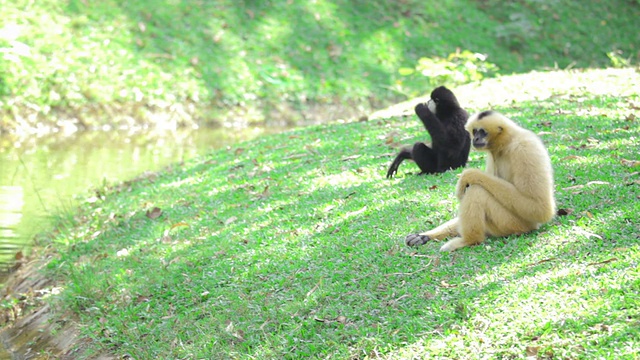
(444, 119)
(513, 195)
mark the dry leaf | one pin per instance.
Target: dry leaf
(154, 213)
(602, 262)
(351, 157)
(230, 220)
(445, 284)
(179, 224)
(564, 212)
(542, 261)
(572, 157)
(532, 351)
(630, 163)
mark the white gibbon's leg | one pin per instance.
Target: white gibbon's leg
(448, 229)
(480, 214)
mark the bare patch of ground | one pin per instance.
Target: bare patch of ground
(27, 331)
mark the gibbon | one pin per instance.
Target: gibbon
(444, 119)
(513, 195)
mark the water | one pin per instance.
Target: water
(44, 176)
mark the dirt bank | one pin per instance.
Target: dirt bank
(26, 329)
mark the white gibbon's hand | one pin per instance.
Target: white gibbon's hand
(467, 178)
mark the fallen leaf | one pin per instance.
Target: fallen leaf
(585, 233)
(142, 299)
(572, 157)
(154, 213)
(433, 187)
(542, 261)
(445, 284)
(230, 220)
(630, 163)
(329, 208)
(602, 262)
(341, 319)
(564, 212)
(238, 151)
(532, 351)
(122, 252)
(351, 157)
(349, 195)
(357, 212)
(179, 224)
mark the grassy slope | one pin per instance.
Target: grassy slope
(291, 246)
(126, 61)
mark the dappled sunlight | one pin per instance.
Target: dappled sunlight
(545, 88)
(346, 178)
(293, 245)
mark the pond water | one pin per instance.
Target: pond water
(44, 176)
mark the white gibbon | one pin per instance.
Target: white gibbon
(513, 195)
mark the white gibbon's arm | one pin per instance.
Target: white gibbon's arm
(526, 207)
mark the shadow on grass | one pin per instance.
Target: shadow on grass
(289, 52)
(291, 247)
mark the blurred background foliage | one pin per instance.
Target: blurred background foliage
(91, 63)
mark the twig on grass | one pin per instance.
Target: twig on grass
(411, 273)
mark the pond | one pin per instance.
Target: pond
(44, 176)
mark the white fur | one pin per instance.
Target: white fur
(431, 105)
(514, 194)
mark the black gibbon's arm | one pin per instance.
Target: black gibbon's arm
(430, 121)
(444, 120)
(403, 155)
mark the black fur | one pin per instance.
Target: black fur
(484, 114)
(450, 142)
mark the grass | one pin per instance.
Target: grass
(83, 63)
(291, 246)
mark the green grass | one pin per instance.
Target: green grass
(125, 62)
(291, 246)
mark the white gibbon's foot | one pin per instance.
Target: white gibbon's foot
(417, 239)
(453, 244)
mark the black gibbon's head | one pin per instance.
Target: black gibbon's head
(487, 130)
(441, 100)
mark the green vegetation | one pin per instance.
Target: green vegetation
(291, 245)
(85, 63)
